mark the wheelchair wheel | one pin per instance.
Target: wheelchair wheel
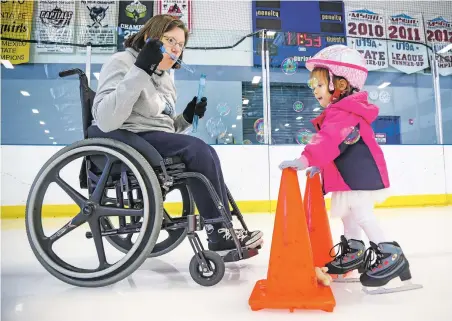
(91, 212)
(175, 237)
(207, 276)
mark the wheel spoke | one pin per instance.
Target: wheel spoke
(117, 211)
(98, 242)
(68, 227)
(76, 196)
(102, 183)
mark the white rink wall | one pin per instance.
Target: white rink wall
(251, 172)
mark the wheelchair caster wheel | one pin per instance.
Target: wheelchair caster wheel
(208, 275)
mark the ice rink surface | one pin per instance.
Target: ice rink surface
(162, 288)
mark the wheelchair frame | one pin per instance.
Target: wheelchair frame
(168, 172)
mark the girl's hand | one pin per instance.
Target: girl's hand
(312, 171)
(298, 164)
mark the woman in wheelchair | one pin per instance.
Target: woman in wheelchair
(136, 94)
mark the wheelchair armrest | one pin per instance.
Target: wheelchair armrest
(70, 72)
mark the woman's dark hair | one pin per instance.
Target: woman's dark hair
(155, 28)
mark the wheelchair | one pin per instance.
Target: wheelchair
(111, 166)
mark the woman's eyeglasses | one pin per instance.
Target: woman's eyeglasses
(173, 42)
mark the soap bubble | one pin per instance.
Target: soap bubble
(298, 106)
(259, 126)
(313, 83)
(353, 137)
(289, 66)
(215, 127)
(303, 136)
(223, 109)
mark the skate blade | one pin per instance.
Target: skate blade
(341, 279)
(351, 277)
(407, 286)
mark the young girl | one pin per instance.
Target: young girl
(352, 165)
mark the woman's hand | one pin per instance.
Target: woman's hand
(194, 108)
(150, 56)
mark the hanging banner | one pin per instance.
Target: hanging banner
(97, 22)
(363, 27)
(17, 19)
(132, 16)
(439, 35)
(178, 8)
(408, 57)
(54, 22)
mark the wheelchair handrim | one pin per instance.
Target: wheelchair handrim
(37, 185)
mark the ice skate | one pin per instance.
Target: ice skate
(390, 263)
(349, 258)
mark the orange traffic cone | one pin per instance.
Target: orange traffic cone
(318, 224)
(291, 280)
(317, 220)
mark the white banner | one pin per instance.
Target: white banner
(363, 26)
(177, 8)
(439, 35)
(55, 22)
(97, 20)
(408, 57)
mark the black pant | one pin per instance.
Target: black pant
(196, 155)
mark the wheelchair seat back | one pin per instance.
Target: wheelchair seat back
(87, 98)
(93, 165)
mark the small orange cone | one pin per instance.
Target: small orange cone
(318, 223)
(317, 220)
(291, 280)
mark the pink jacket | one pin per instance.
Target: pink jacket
(344, 166)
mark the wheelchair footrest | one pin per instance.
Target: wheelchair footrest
(233, 255)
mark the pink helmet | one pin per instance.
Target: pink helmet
(342, 61)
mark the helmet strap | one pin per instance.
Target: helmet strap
(336, 95)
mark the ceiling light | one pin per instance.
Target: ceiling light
(42, 123)
(25, 93)
(445, 49)
(51, 138)
(239, 117)
(46, 131)
(383, 85)
(277, 129)
(35, 111)
(287, 125)
(54, 143)
(245, 101)
(299, 117)
(234, 126)
(256, 79)
(230, 134)
(316, 109)
(7, 64)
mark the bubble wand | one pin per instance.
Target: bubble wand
(201, 87)
(180, 62)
